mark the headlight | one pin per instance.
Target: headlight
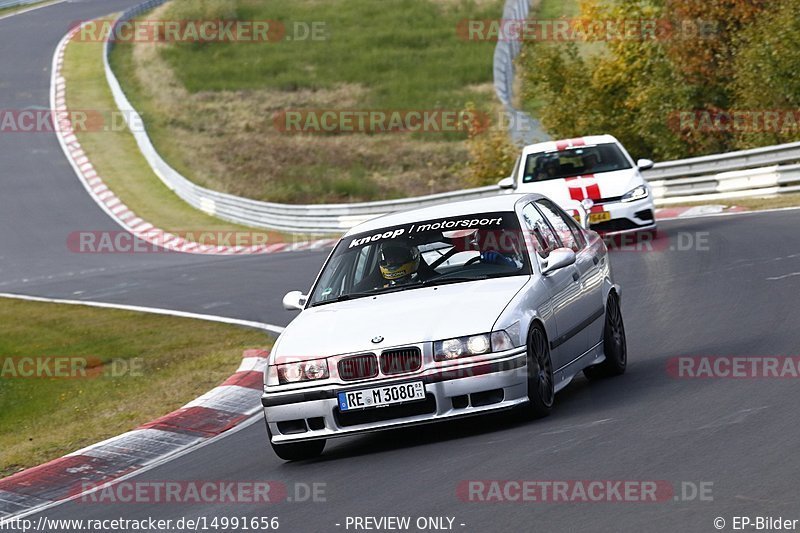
(635, 194)
(461, 347)
(303, 371)
(497, 341)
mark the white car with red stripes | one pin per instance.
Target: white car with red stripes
(596, 171)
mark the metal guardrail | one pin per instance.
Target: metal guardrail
(768, 155)
(668, 179)
(13, 3)
(522, 127)
(734, 184)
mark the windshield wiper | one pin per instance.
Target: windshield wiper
(352, 295)
(453, 279)
(396, 288)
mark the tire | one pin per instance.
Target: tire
(541, 386)
(297, 451)
(615, 346)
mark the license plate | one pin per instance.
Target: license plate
(594, 218)
(380, 396)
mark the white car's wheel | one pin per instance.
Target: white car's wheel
(614, 344)
(541, 387)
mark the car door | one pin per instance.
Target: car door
(563, 286)
(590, 304)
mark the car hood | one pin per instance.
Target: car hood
(608, 185)
(401, 318)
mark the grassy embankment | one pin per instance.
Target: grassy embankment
(161, 363)
(210, 107)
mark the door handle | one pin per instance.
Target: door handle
(575, 276)
(595, 260)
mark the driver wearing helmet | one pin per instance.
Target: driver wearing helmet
(399, 263)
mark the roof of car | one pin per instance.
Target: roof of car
(501, 202)
(551, 146)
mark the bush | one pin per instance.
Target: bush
(765, 71)
(491, 153)
(637, 89)
(629, 90)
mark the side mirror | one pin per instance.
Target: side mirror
(558, 259)
(581, 213)
(644, 164)
(507, 183)
(294, 301)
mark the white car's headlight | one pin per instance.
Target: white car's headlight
(636, 193)
(471, 345)
(302, 371)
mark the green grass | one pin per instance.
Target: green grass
(553, 9)
(406, 52)
(42, 419)
(209, 107)
(117, 158)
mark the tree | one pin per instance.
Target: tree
(765, 76)
(643, 89)
(628, 88)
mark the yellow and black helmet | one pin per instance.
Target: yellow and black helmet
(398, 260)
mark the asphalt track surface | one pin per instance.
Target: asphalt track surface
(42, 201)
(732, 293)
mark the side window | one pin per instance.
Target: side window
(361, 263)
(543, 239)
(577, 232)
(559, 222)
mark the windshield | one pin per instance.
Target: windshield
(578, 161)
(432, 252)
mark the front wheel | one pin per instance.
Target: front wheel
(541, 388)
(614, 344)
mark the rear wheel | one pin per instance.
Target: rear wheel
(614, 345)
(297, 451)
(541, 388)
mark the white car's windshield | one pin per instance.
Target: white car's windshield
(432, 252)
(577, 161)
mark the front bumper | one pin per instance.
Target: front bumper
(469, 389)
(627, 217)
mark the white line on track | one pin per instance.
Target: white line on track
(32, 8)
(154, 310)
(776, 278)
(731, 213)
